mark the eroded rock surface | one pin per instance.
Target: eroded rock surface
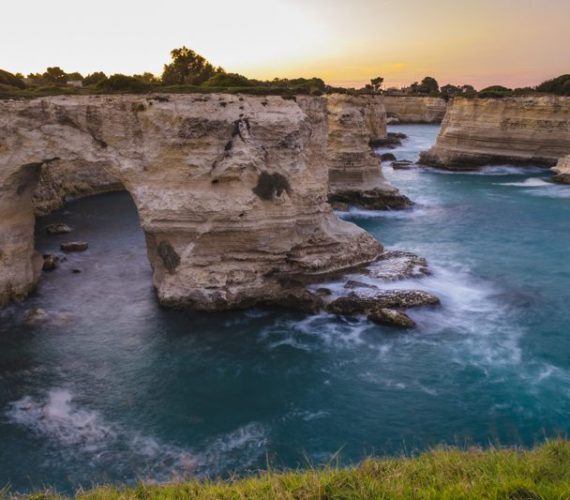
(562, 170)
(414, 109)
(513, 130)
(355, 174)
(231, 191)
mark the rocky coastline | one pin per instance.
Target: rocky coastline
(231, 191)
(414, 109)
(533, 130)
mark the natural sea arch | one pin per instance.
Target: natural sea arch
(231, 191)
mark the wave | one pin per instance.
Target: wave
(539, 187)
(77, 434)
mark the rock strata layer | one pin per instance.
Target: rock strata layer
(562, 170)
(517, 130)
(414, 109)
(355, 174)
(231, 191)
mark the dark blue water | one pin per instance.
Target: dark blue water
(114, 388)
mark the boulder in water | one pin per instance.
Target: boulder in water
(387, 157)
(402, 164)
(75, 246)
(50, 262)
(58, 228)
(391, 317)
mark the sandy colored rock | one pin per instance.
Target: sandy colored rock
(562, 170)
(74, 246)
(513, 130)
(58, 228)
(231, 191)
(355, 174)
(414, 109)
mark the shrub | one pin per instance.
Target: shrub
(227, 80)
(559, 85)
(11, 80)
(123, 83)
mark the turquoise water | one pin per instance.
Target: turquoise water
(117, 389)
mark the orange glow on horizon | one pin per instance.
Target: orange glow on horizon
(509, 42)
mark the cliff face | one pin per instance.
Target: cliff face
(231, 191)
(562, 170)
(61, 180)
(355, 174)
(517, 130)
(415, 109)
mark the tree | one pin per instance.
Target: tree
(122, 83)
(147, 77)
(448, 91)
(94, 78)
(187, 68)
(74, 76)
(377, 83)
(55, 75)
(7, 78)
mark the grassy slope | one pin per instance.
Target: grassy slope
(446, 473)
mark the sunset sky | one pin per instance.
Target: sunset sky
(346, 42)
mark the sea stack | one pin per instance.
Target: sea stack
(511, 130)
(355, 122)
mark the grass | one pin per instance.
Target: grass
(445, 473)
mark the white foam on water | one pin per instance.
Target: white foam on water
(495, 170)
(527, 183)
(77, 433)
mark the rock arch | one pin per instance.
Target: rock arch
(231, 191)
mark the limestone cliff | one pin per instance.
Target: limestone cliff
(61, 180)
(414, 109)
(231, 191)
(562, 170)
(515, 130)
(355, 174)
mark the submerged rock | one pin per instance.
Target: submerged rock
(74, 246)
(58, 228)
(39, 316)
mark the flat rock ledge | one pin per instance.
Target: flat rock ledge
(372, 199)
(360, 294)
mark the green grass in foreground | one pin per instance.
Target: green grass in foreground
(444, 473)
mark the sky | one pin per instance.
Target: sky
(345, 42)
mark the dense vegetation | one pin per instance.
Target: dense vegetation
(445, 473)
(188, 71)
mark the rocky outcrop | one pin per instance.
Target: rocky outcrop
(514, 130)
(231, 191)
(562, 170)
(414, 109)
(355, 174)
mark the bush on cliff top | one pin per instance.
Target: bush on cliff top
(10, 80)
(445, 473)
(559, 85)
